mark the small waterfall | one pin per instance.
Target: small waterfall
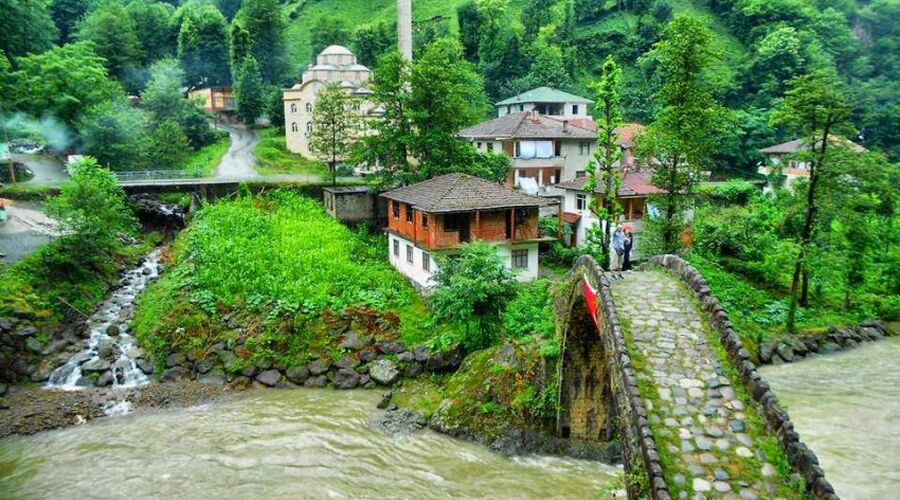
(111, 351)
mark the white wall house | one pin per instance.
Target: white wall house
(337, 65)
(784, 158)
(546, 101)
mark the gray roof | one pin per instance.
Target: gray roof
(461, 193)
(800, 145)
(527, 125)
(544, 94)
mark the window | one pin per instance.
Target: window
(580, 201)
(395, 208)
(534, 149)
(294, 127)
(409, 253)
(424, 220)
(520, 259)
(293, 108)
(509, 109)
(520, 216)
(580, 173)
(357, 106)
(574, 109)
(426, 261)
(521, 107)
(453, 222)
(409, 213)
(309, 107)
(396, 248)
(478, 146)
(584, 148)
(490, 147)
(309, 128)
(557, 148)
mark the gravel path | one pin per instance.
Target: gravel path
(697, 416)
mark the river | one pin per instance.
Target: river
(846, 407)
(277, 444)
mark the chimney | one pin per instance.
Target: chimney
(404, 28)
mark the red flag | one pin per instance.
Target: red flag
(590, 296)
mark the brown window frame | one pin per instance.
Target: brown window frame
(518, 258)
(395, 209)
(410, 213)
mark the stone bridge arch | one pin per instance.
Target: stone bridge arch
(598, 396)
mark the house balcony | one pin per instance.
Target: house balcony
(552, 162)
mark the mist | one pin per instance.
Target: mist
(47, 130)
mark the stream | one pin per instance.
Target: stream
(111, 356)
(846, 407)
(278, 444)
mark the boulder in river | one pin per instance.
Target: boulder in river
(269, 378)
(147, 366)
(112, 330)
(215, 376)
(385, 400)
(25, 331)
(346, 378)
(384, 372)
(105, 348)
(105, 379)
(34, 345)
(406, 357)
(175, 359)
(204, 365)
(96, 365)
(445, 361)
(420, 353)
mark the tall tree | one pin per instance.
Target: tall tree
(60, 82)
(112, 31)
(607, 157)
(169, 146)
(682, 137)
(265, 22)
(816, 110)
(469, 19)
(228, 8)
(25, 27)
(66, 14)
(334, 127)
(249, 92)
(535, 15)
(446, 94)
(328, 30)
(163, 99)
(151, 24)
(372, 41)
(240, 46)
(113, 133)
(203, 48)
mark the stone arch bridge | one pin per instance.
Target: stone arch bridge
(653, 361)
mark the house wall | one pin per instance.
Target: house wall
(297, 117)
(790, 170)
(564, 109)
(487, 225)
(635, 212)
(423, 278)
(573, 158)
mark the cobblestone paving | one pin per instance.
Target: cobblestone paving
(697, 418)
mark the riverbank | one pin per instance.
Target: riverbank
(30, 409)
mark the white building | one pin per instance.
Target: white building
(785, 158)
(337, 65)
(546, 101)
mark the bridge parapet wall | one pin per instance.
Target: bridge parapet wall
(639, 451)
(802, 459)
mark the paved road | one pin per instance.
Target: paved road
(702, 423)
(48, 171)
(238, 162)
(26, 229)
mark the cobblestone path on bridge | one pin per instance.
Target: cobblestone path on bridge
(698, 420)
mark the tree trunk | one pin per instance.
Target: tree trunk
(669, 224)
(332, 165)
(800, 265)
(804, 288)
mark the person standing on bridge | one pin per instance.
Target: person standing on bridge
(629, 243)
(618, 249)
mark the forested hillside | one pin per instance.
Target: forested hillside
(74, 61)
(519, 44)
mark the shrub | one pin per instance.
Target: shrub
(531, 312)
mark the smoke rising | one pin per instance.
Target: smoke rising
(47, 130)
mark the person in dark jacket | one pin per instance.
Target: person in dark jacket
(629, 242)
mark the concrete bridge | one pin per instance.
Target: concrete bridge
(653, 361)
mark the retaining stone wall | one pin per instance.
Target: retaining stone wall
(792, 349)
(801, 457)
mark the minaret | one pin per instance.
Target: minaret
(404, 28)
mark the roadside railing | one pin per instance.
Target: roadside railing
(155, 175)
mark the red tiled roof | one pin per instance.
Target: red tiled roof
(633, 184)
(571, 218)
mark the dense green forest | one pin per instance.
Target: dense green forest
(76, 60)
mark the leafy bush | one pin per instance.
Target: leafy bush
(531, 312)
(731, 193)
